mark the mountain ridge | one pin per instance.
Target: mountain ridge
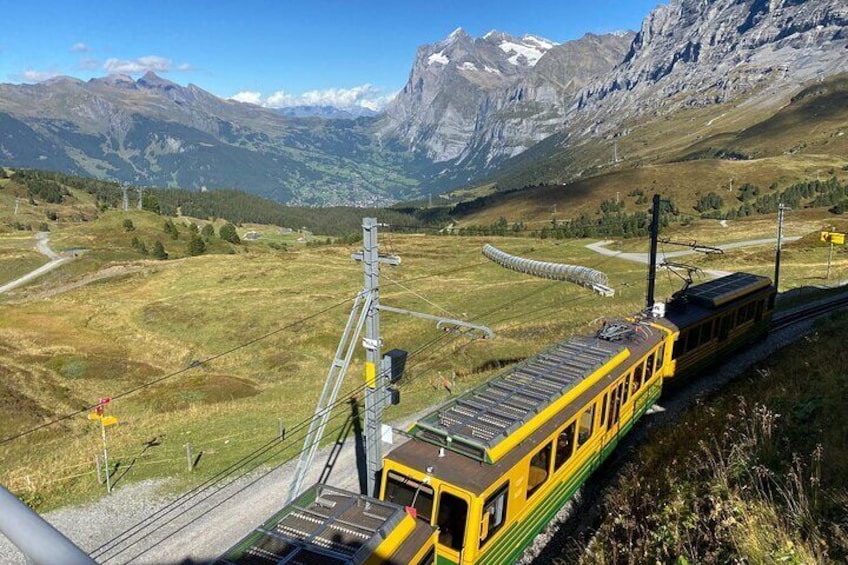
(514, 111)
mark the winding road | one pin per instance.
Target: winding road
(56, 260)
(600, 247)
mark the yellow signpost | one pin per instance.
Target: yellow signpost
(833, 238)
(105, 421)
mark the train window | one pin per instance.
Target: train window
(406, 492)
(604, 408)
(539, 465)
(758, 313)
(626, 392)
(660, 356)
(453, 513)
(429, 558)
(678, 346)
(565, 445)
(612, 419)
(724, 330)
(495, 507)
(649, 367)
(638, 375)
(692, 339)
(587, 424)
(707, 332)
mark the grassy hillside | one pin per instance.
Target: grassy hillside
(800, 137)
(809, 121)
(754, 474)
(269, 321)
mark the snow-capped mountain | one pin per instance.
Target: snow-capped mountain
(481, 100)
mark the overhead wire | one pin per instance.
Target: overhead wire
(173, 374)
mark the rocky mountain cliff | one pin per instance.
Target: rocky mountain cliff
(704, 52)
(480, 100)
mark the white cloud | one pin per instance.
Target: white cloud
(364, 96)
(31, 75)
(142, 65)
(80, 47)
(249, 97)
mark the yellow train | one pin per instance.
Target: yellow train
(483, 474)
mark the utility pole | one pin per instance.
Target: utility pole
(731, 185)
(829, 259)
(375, 374)
(615, 151)
(125, 191)
(780, 214)
(652, 268)
(140, 191)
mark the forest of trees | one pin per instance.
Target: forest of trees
(237, 207)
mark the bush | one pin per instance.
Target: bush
(208, 232)
(128, 225)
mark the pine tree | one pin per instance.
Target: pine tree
(159, 251)
(196, 245)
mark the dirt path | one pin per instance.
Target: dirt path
(600, 247)
(56, 260)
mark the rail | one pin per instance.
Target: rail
(808, 312)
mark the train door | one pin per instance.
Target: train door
(451, 519)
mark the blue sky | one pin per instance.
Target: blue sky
(328, 50)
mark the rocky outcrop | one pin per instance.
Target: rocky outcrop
(701, 52)
(493, 97)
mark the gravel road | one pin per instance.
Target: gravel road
(41, 246)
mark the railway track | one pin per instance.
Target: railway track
(783, 320)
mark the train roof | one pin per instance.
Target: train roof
(720, 291)
(323, 525)
(475, 474)
(484, 423)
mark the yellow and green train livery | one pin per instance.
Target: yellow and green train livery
(491, 468)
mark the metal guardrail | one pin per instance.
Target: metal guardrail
(584, 276)
(40, 542)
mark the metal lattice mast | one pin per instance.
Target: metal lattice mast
(781, 211)
(332, 384)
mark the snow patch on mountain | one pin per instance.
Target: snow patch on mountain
(531, 50)
(439, 58)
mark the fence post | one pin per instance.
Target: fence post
(97, 464)
(282, 429)
(188, 456)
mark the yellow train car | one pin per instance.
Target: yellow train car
(490, 469)
(329, 526)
